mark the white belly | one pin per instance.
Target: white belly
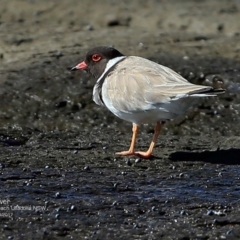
(153, 113)
(141, 117)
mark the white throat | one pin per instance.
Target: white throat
(110, 64)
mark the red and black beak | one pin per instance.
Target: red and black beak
(80, 66)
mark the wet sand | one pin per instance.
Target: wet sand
(60, 176)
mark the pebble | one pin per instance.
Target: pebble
(135, 225)
(58, 209)
(112, 20)
(57, 194)
(220, 27)
(86, 168)
(89, 28)
(201, 76)
(2, 165)
(128, 162)
(181, 174)
(153, 208)
(183, 212)
(6, 227)
(58, 54)
(61, 104)
(73, 208)
(210, 212)
(138, 160)
(142, 46)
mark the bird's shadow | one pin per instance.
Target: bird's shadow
(229, 157)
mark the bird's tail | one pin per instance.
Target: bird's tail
(208, 92)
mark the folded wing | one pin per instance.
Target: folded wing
(137, 84)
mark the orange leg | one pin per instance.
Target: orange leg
(148, 153)
(135, 129)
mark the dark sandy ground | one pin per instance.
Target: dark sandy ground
(60, 177)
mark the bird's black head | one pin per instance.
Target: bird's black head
(96, 60)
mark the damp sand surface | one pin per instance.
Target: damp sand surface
(60, 176)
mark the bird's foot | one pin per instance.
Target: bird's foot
(145, 155)
(125, 153)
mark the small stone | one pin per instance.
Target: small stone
(210, 212)
(75, 151)
(73, 208)
(86, 168)
(58, 54)
(128, 162)
(220, 27)
(153, 208)
(138, 160)
(6, 227)
(2, 165)
(89, 28)
(57, 194)
(222, 237)
(161, 213)
(114, 20)
(201, 76)
(61, 104)
(111, 20)
(183, 212)
(142, 46)
(58, 209)
(135, 225)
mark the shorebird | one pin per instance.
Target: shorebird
(140, 91)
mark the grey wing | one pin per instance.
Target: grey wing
(136, 88)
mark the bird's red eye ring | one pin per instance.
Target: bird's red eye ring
(96, 57)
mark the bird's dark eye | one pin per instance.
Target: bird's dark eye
(96, 57)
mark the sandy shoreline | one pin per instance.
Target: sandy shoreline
(57, 147)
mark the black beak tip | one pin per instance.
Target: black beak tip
(73, 69)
